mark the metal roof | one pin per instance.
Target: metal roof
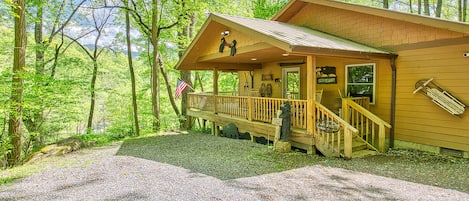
(297, 36)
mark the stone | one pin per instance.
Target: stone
(230, 131)
(283, 147)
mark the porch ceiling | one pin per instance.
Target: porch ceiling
(274, 40)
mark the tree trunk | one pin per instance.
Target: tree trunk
(426, 7)
(155, 76)
(439, 4)
(411, 10)
(464, 11)
(462, 7)
(89, 125)
(185, 74)
(16, 107)
(186, 77)
(168, 87)
(420, 7)
(34, 117)
(197, 76)
(386, 4)
(131, 69)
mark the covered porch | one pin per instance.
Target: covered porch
(262, 53)
(361, 132)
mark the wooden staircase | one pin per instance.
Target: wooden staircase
(360, 133)
(359, 149)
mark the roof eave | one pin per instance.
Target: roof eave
(285, 14)
(342, 53)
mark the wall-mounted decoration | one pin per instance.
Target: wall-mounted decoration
(232, 46)
(326, 75)
(267, 77)
(440, 97)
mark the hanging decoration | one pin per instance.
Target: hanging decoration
(440, 97)
(232, 46)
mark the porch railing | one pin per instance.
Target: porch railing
(251, 108)
(332, 132)
(371, 128)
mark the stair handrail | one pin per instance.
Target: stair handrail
(346, 103)
(347, 129)
(366, 112)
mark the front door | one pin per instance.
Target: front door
(291, 83)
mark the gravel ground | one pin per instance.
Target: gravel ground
(98, 174)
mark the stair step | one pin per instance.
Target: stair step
(363, 153)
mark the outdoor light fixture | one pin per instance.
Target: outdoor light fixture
(285, 54)
(225, 33)
(253, 59)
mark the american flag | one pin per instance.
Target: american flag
(181, 85)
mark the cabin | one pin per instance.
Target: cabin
(359, 79)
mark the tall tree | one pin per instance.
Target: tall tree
(419, 4)
(19, 65)
(462, 10)
(426, 7)
(131, 70)
(186, 31)
(160, 20)
(100, 18)
(155, 83)
(439, 5)
(58, 17)
(386, 4)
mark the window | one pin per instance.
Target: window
(360, 81)
(291, 83)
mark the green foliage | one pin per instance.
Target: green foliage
(8, 179)
(266, 9)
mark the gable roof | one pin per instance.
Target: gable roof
(294, 6)
(296, 37)
(282, 36)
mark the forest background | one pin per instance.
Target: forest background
(105, 68)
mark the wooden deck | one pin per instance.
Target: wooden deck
(359, 130)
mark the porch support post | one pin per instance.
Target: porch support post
(311, 92)
(215, 89)
(215, 81)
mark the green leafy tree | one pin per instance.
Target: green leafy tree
(19, 65)
(265, 9)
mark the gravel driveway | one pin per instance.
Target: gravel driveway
(98, 174)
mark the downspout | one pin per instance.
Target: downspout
(393, 101)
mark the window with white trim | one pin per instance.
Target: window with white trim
(360, 81)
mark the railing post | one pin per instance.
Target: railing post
(250, 108)
(215, 100)
(347, 143)
(381, 135)
(345, 110)
(310, 116)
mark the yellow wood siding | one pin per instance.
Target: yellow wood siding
(368, 29)
(383, 84)
(267, 68)
(213, 43)
(418, 119)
